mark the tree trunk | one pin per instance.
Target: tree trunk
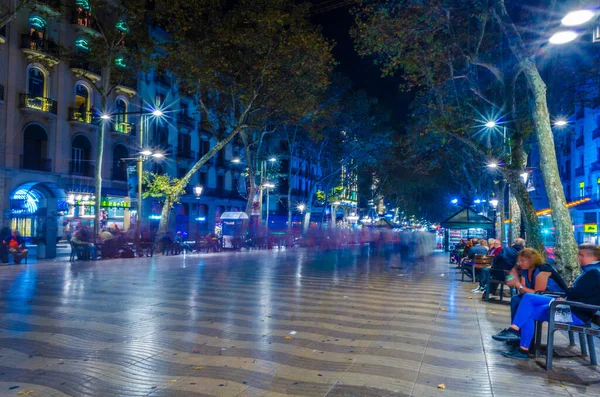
(183, 182)
(98, 171)
(515, 217)
(532, 225)
(566, 247)
(164, 221)
(289, 189)
(501, 215)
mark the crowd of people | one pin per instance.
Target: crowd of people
(535, 284)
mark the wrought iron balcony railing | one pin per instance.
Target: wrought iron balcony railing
(38, 103)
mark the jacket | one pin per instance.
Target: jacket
(586, 289)
(477, 250)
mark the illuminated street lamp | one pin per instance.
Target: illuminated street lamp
(493, 165)
(198, 192)
(491, 124)
(563, 37)
(576, 18)
(454, 201)
(560, 123)
(494, 203)
(236, 160)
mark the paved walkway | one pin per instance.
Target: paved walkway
(261, 323)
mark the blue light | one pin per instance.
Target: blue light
(477, 201)
(454, 201)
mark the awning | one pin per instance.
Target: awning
(234, 216)
(468, 219)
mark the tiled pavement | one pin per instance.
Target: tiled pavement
(276, 323)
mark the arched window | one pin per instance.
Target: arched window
(36, 83)
(82, 103)
(121, 116)
(120, 167)
(82, 44)
(35, 149)
(80, 156)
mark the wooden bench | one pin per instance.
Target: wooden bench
(585, 331)
(481, 261)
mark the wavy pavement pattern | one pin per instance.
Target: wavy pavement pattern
(222, 325)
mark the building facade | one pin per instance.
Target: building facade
(49, 128)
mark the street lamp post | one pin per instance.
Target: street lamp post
(143, 155)
(268, 187)
(301, 208)
(198, 193)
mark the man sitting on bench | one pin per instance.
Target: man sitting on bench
(16, 246)
(533, 307)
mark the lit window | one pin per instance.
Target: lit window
(122, 26)
(85, 4)
(120, 62)
(37, 22)
(83, 44)
(581, 189)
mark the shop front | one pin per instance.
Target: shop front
(81, 212)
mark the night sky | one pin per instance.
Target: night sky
(364, 74)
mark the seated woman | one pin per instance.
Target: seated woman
(531, 275)
(533, 307)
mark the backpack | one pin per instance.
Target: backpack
(127, 253)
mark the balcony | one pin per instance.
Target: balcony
(579, 171)
(579, 142)
(36, 164)
(86, 69)
(81, 168)
(186, 121)
(186, 154)
(42, 50)
(127, 86)
(595, 166)
(123, 128)
(3, 35)
(81, 117)
(37, 103)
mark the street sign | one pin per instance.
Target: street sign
(590, 228)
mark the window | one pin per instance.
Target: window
(122, 26)
(82, 98)
(598, 189)
(121, 116)
(589, 217)
(202, 178)
(36, 83)
(181, 172)
(35, 142)
(120, 62)
(581, 189)
(120, 167)
(204, 147)
(184, 142)
(220, 182)
(82, 44)
(80, 156)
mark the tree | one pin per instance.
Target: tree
(453, 43)
(248, 63)
(162, 186)
(114, 53)
(350, 132)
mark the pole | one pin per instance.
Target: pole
(140, 165)
(267, 220)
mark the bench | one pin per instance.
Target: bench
(491, 281)
(585, 331)
(481, 261)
